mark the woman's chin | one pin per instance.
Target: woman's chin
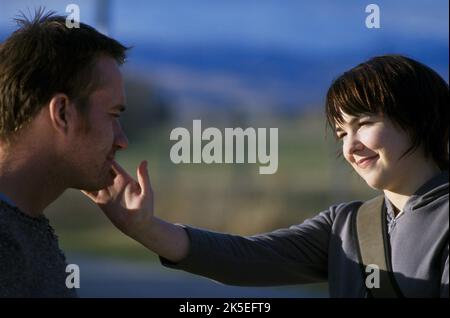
(374, 186)
(374, 181)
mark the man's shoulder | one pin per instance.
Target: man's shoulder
(12, 254)
(30, 262)
(6, 218)
(9, 241)
(14, 234)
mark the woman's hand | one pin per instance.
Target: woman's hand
(127, 203)
(129, 206)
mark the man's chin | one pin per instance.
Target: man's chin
(108, 180)
(101, 183)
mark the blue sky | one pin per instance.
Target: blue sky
(266, 51)
(288, 24)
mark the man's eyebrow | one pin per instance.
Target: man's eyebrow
(120, 107)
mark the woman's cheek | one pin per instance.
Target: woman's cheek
(370, 138)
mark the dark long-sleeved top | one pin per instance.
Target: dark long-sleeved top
(324, 248)
(31, 262)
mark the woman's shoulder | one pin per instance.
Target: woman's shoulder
(340, 215)
(344, 209)
(336, 215)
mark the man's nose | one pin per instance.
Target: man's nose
(120, 140)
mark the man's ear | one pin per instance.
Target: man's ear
(61, 112)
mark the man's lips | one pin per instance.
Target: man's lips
(364, 162)
(111, 157)
(110, 161)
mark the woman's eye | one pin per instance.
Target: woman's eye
(340, 136)
(364, 123)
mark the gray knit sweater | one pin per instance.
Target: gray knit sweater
(31, 263)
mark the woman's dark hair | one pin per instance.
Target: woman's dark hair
(409, 93)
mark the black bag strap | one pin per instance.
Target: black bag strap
(374, 246)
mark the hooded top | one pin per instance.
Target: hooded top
(324, 248)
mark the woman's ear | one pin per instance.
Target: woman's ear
(61, 113)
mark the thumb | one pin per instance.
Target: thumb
(90, 194)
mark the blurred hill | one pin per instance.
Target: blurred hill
(256, 56)
(206, 77)
(146, 110)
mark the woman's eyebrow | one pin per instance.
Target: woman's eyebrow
(349, 123)
(338, 129)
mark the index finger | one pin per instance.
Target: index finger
(118, 170)
(144, 178)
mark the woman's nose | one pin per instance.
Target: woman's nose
(351, 145)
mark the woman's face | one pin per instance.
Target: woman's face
(373, 145)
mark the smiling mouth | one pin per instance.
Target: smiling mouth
(365, 162)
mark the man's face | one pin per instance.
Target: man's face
(373, 145)
(94, 147)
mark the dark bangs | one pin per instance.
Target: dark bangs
(357, 92)
(409, 93)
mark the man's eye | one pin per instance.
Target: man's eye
(340, 136)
